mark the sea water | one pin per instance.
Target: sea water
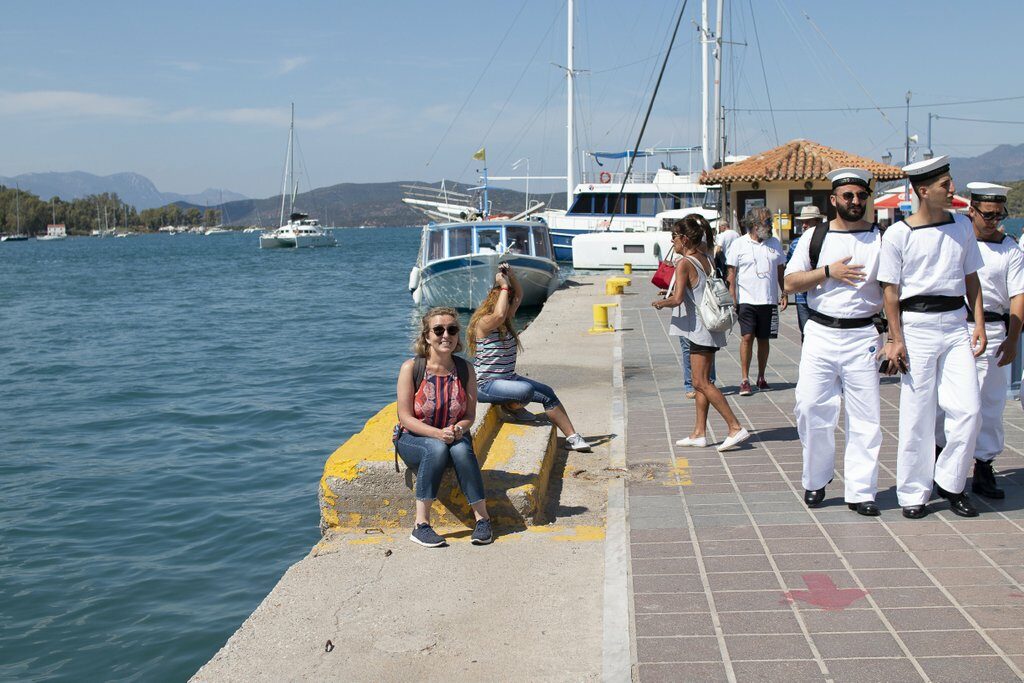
(167, 404)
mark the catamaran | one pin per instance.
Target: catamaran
(300, 230)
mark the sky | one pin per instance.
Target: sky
(197, 94)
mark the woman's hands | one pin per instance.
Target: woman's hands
(451, 434)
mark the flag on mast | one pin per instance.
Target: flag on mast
(481, 154)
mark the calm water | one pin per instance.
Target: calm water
(166, 408)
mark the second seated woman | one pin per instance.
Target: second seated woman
(690, 237)
(494, 345)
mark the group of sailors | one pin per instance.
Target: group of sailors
(952, 291)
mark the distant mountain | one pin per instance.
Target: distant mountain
(375, 204)
(133, 188)
(1004, 163)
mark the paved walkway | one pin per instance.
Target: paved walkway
(734, 579)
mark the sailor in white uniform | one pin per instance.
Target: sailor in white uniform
(929, 262)
(837, 265)
(1002, 287)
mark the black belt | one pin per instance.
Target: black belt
(927, 303)
(839, 323)
(992, 317)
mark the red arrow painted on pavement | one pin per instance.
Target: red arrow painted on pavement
(822, 592)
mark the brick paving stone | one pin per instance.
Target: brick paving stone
(662, 603)
(798, 546)
(998, 541)
(796, 579)
(1011, 640)
(960, 669)
(857, 544)
(798, 671)
(656, 565)
(817, 562)
(741, 546)
(689, 649)
(926, 619)
(649, 550)
(891, 578)
(659, 535)
(946, 643)
(872, 670)
(741, 581)
(748, 601)
(673, 673)
(1003, 616)
(745, 623)
(791, 531)
(860, 644)
(679, 583)
(881, 560)
(767, 647)
(697, 624)
(909, 597)
(737, 563)
(973, 596)
(944, 559)
(845, 621)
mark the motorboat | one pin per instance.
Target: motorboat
(300, 231)
(458, 262)
(54, 231)
(218, 230)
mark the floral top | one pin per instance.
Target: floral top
(440, 401)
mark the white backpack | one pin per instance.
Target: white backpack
(716, 308)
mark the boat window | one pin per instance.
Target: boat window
(488, 239)
(517, 239)
(435, 247)
(632, 204)
(583, 204)
(633, 248)
(541, 242)
(460, 241)
(649, 204)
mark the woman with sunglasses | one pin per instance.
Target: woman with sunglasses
(434, 420)
(690, 239)
(494, 345)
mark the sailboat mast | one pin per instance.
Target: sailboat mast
(291, 160)
(569, 147)
(704, 39)
(17, 205)
(719, 118)
(285, 189)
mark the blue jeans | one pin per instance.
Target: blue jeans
(684, 344)
(518, 390)
(803, 314)
(430, 457)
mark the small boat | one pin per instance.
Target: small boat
(54, 231)
(300, 230)
(458, 262)
(217, 230)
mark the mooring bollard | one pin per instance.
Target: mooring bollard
(614, 285)
(601, 319)
(627, 268)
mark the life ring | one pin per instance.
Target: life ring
(606, 177)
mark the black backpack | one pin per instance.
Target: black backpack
(419, 370)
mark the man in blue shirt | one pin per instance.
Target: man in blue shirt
(810, 216)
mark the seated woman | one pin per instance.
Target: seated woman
(494, 344)
(690, 238)
(434, 420)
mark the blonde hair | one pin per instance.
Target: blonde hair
(506, 328)
(420, 346)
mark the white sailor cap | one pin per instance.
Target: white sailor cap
(987, 192)
(850, 176)
(927, 169)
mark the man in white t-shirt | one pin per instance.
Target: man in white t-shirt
(723, 239)
(757, 266)
(837, 265)
(929, 262)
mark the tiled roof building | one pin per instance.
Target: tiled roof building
(796, 160)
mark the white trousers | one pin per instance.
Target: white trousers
(943, 375)
(833, 364)
(993, 383)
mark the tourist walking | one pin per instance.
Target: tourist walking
(929, 262)
(756, 269)
(690, 239)
(810, 217)
(1002, 288)
(837, 265)
(436, 408)
(494, 345)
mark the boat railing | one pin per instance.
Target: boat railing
(616, 177)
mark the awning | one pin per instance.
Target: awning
(892, 200)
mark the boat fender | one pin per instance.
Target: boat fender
(606, 177)
(414, 279)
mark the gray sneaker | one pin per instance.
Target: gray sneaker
(425, 535)
(518, 414)
(482, 533)
(576, 442)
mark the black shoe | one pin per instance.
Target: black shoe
(938, 452)
(915, 511)
(814, 498)
(959, 503)
(866, 508)
(984, 481)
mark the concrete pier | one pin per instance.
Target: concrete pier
(657, 563)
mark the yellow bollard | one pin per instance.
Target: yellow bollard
(601, 319)
(627, 268)
(614, 285)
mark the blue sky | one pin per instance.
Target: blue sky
(196, 94)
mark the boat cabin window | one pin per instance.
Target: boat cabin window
(517, 239)
(632, 204)
(460, 241)
(489, 239)
(633, 248)
(541, 243)
(435, 245)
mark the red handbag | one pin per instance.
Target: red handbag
(663, 275)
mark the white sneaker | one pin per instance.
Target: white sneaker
(575, 442)
(699, 442)
(734, 440)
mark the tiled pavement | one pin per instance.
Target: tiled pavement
(734, 579)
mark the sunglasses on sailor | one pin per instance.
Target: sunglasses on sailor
(439, 330)
(992, 215)
(848, 196)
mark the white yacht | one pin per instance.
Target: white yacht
(54, 231)
(300, 230)
(458, 262)
(218, 230)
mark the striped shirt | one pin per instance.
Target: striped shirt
(495, 358)
(440, 401)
